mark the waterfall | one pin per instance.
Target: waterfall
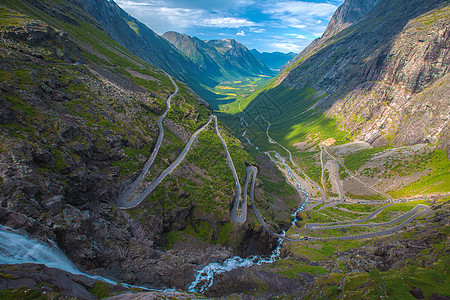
(18, 249)
(205, 276)
(299, 210)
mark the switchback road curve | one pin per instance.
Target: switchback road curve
(407, 217)
(130, 198)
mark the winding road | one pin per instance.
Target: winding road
(130, 198)
(122, 200)
(407, 217)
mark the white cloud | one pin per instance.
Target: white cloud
(303, 15)
(288, 42)
(286, 47)
(163, 18)
(301, 8)
(160, 17)
(227, 22)
(257, 30)
(295, 35)
(191, 4)
(240, 33)
(211, 4)
(131, 3)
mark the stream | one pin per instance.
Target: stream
(299, 188)
(205, 276)
(18, 249)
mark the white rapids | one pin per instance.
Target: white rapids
(205, 276)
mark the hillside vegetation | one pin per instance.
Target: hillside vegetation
(78, 122)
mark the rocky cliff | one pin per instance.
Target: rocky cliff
(385, 77)
(350, 12)
(347, 14)
(78, 122)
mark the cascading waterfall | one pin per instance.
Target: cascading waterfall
(299, 210)
(205, 276)
(18, 249)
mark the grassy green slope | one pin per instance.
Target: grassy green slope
(124, 116)
(129, 119)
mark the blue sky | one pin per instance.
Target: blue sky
(267, 25)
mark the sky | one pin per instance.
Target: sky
(266, 25)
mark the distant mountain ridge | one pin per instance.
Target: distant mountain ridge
(238, 55)
(203, 72)
(221, 58)
(197, 51)
(274, 60)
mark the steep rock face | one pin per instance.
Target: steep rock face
(408, 92)
(347, 14)
(385, 77)
(78, 122)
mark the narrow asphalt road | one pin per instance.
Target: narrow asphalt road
(242, 217)
(126, 203)
(122, 200)
(238, 212)
(409, 216)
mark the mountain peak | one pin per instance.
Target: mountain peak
(220, 58)
(225, 44)
(350, 12)
(347, 14)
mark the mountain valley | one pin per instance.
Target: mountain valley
(274, 60)
(172, 167)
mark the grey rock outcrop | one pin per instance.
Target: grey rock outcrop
(78, 130)
(347, 14)
(384, 71)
